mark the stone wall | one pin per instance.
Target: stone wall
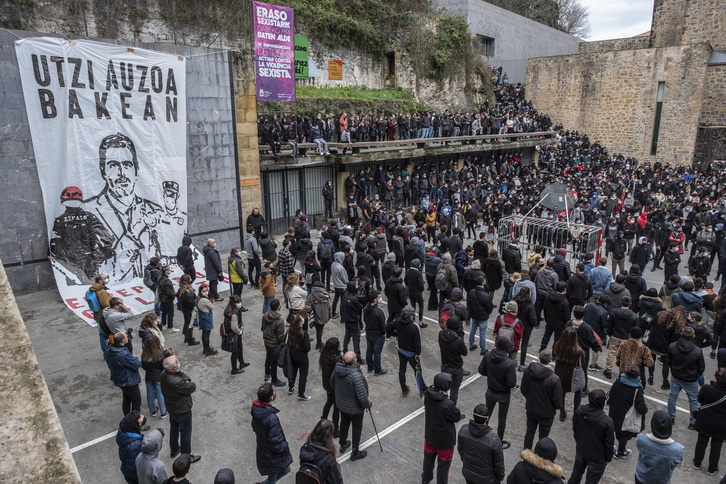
(248, 154)
(611, 96)
(668, 22)
(706, 22)
(714, 99)
(710, 145)
(630, 43)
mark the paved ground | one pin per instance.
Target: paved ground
(89, 406)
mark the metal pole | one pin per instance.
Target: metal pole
(546, 195)
(225, 27)
(567, 213)
(85, 23)
(374, 429)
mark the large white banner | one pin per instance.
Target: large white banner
(108, 125)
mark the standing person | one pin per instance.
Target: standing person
(124, 368)
(152, 274)
(149, 468)
(585, 336)
(254, 258)
(619, 326)
(351, 396)
(129, 440)
(633, 352)
(329, 357)
(273, 335)
(319, 451)
(626, 393)
(672, 261)
(453, 349)
(546, 282)
(328, 198)
(579, 287)
(286, 264)
(508, 324)
(594, 438)
(569, 355)
(213, 268)
(115, 316)
(441, 417)
(557, 314)
(152, 361)
(205, 308)
(685, 359)
(256, 222)
(396, 295)
(710, 421)
(432, 262)
(350, 314)
(501, 378)
(236, 269)
(187, 300)
(234, 327)
(177, 388)
(299, 343)
(268, 247)
(165, 289)
(415, 286)
(446, 278)
(482, 459)
(479, 305)
(272, 453)
(637, 286)
(700, 265)
(326, 251)
(340, 280)
(538, 466)
(528, 315)
(618, 251)
(101, 291)
(319, 304)
(185, 257)
(409, 344)
(542, 391)
(267, 285)
(596, 316)
(658, 453)
(601, 278)
(375, 327)
(665, 329)
(296, 297)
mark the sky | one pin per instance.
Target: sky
(616, 19)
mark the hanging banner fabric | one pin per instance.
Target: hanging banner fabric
(108, 125)
(301, 57)
(274, 52)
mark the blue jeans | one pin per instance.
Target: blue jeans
(374, 347)
(104, 343)
(157, 309)
(691, 389)
(266, 304)
(154, 390)
(482, 332)
(273, 478)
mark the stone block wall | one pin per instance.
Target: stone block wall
(630, 43)
(710, 145)
(611, 96)
(668, 22)
(714, 99)
(705, 21)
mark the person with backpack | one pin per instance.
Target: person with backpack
(233, 329)
(509, 326)
(409, 344)
(205, 312)
(167, 294)
(187, 301)
(375, 327)
(441, 417)
(98, 299)
(318, 462)
(482, 459)
(326, 249)
(236, 269)
(626, 403)
(594, 438)
(267, 285)
(446, 278)
(543, 395)
(453, 349)
(152, 274)
(501, 378)
(273, 452)
(569, 357)
(479, 306)
(350, 314)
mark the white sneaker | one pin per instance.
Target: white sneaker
(174, 330)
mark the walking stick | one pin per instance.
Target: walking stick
(374, 428)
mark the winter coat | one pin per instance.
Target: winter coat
(441, 414)
(493, 270)
(639, 255)
(408, 334)
(149, 468)
(388, 267)
(129, 447)
(452, 279)
(621, 322)
(212, 262)
(685, 359)
(236, 268)
(542, 390)
(267, 283)
(661, 337)
(177, 389)
(631, 353)
(350, 306)
(649, 308)
(432, 262)
(395, 295)
(103, 299)
(414, 282)
(585, 336)
(711, 421)
(480, 449)
(512, 258)
(317, 454)
(153, 370)
(319, 302)
(596, 316)
(452, 348)
(562, 268)
(304, 245)
(184, 256)
(565, 369)
(509, 320)
(273, 453)
(375, 321)
(620, 399)
(155, 274)
(267, 246)
(556, 310)
(273, 329)
(579, 289)
(594, 434)
(350, 388)
(412, 252)
(689, 300)
(616, 292)
(546, 282)
(672, 260)
(500, 372)
(124, 366)
(637, 287)
(165, 289)
(339, 275)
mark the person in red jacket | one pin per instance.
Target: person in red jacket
(509, 320)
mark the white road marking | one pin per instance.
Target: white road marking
(93, 442)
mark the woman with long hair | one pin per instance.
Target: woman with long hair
(666, 329)
(527, 314)
(296, 297)
(320, 450)
(152, 359)
(568, 353)
(312, 269)
(494, 271)
(233, 324)
(187, 300)
(150, 326)
(206, 318)
(626, 391)
(299, 343)
(329, 357)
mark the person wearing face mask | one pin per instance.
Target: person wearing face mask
(124, 368)
(129, 440)
(177, 388)
(234, 327)
(273, 452)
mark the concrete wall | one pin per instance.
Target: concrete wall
(211, 158)
(517, 38)
(611, 96)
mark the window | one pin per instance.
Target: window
(486, 46)
(656, 122)
(391, 60)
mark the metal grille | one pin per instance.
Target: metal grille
(552, 235)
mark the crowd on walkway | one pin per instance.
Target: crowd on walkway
(398, 244)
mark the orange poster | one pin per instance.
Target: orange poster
(335, 70)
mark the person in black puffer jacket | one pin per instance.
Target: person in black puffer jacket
(432, 262)
(562, 267)
(304, 245)
(650, 306)
(501, 378)
(619, 326)
(273, 453)
(579, 287)
(528, 315)
(542, 390)
(512, 258)
(129, 439)
(409, 344)
(664, 330)
(395, 294)
(556, 315)
(416, 286)
(538, 466)
(320, 451)
(597, 316)
(637, 286)
(350, 313)
(440, 431)
(711, 422)
(451, 344)
(482, 458)
(686, 362)
(672, 260)
(594, 436)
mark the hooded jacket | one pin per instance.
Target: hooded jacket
(621, 397)
(388, 267)
(149, 468)
(651, 306)
(412, 252)
(273, 329)
(350, 306)
(452, 345)
(407, 332)
(236, 268)
(596, 316)
(685, 359)
(479, 304)
(512, 258)
(442, 415)
(115, 319)
(689, 300)
(414, 282)
(124, 366)
(103, 299)
(432, 262)
(546, 281)
(499, 370)
(339, 275)
(317, 454)
(556, 310)
(658, 453)
(562, 267)
(537, 467)
(304, 245)
(579, 289)
(480, 449)
(273, 453)
(594, 430)
(128, 439)
(616, 292)
(184, 256)
(672, 260)
(350, 388)
(621, 322)
(395, 295)
(155, 276)
(637, 287)
(375, 321)
(319, 302)
(267, 283)
(542, 390)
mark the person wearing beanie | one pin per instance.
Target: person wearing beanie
(482, 458)
(594, 439)
(542, 391)
(658, 453)
(149, 468)
(626, 392)
(412, 253)
(501, 375)
(441, 416)
(633, 352)
(686, 361)
(415, 284)
(453, 348)
(508, 324)
(224, 476)
(561, 266)
(129, 441)
(538, 466)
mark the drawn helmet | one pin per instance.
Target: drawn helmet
(71, 193)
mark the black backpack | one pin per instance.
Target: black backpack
(326, 253)
(104, 327)
(311, 472)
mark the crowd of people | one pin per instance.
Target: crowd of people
(408, 233)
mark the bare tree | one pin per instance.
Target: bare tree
(574, 18)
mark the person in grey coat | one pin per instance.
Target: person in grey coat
(213, 268)
(254, 257)
(149, 468)
(351, 397)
